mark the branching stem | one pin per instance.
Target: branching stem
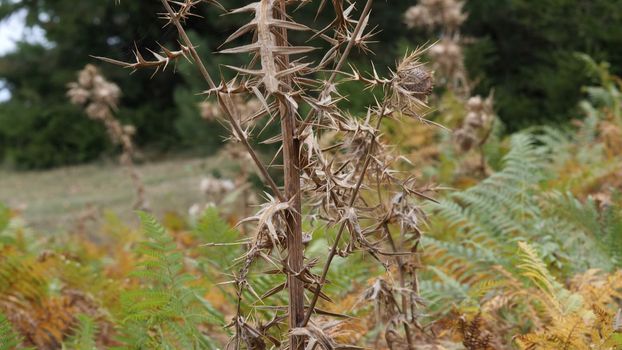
(352, 41)
(224, 101)
(355, 192)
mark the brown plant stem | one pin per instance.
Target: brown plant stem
(333, 249)
(224, 100)
(402, 273)
(295, 248)
(293, 218)
(115, 130)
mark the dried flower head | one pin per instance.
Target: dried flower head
(429, 14)
(100, 98)
(448, 63)
(418, 17)
(95, 92)
(412, 85)
(213, 187)
(476, 124)
(210, 111)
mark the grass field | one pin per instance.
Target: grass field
(55, 199)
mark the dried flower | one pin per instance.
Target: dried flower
(448, 62)
(476, 124)
(412, 85)
(418, 16)
(436, 13)
(100, 98)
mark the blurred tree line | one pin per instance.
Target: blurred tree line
(523, 49)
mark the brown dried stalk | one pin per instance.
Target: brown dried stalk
(446, 54)
(324, 177)
(99, 98)
(224, 100)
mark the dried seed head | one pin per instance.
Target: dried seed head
(213, 187)
(465, 139)
(448, 62)
(93, 89)
(475, 104)
(210, 111)
(453, 16)
(436, 13)
(416, 80)
(412, 84)
(78, 95)
(87, 75)
(476, 124)
(473, 120)
(418, 16)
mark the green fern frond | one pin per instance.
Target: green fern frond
(9, 340)
(5, 217)
(84, 335)
(446, 291)
(536, 271)
(211, 228)
(167, 310)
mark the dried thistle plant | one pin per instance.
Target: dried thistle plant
(349, 187)
(477, 127)
(446, 54)
(430, 14)
(100, 99)
(477, 123)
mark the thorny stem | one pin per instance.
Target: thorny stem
(400, 266)
(291, 163)
(174, 18)
(333, 249)
(225, 100)
(295, 248)
(352, 41)
(343, 58)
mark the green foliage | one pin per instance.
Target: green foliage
(9, 340)
(46, 136)
(84, 336)
(488, 219)
(5, 217)
(499, 205)
(212, 228)
(167, 311)
(162, 108)
(602, 225)
(525, 51)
